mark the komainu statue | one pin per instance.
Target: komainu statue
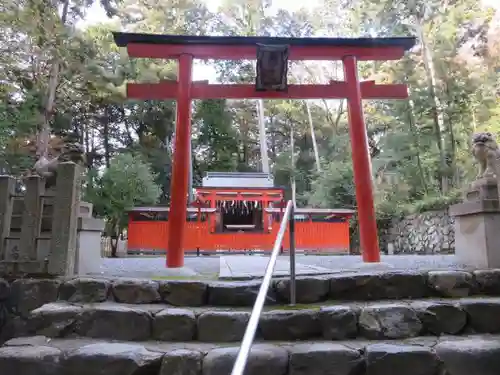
(487, 154)
(61, 149)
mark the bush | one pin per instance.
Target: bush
(432, 203)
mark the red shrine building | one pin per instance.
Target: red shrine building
(272, 56)
(238, 213)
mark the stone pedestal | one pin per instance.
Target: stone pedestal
(483, 189)
(85, 209)
(89, 245)
(477, 229)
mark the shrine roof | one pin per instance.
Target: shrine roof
(123, 39)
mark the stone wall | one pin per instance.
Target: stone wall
(86, 326)
(430, 232)
(143, 310)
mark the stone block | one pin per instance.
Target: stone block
(402, 284)
(488, 281)
(290, 325)
(184, 293)
(236, 293)
(308, 289)
(389, 321)
(379, 285)
(181, 362)
(384, 359)
(452, 283)
(135, 291)
(85, 290)
(339, 322)
(222, 326)
(482, 189)
(483, 314)
(30, 294)
(53, 319)
(479, 356)
(63, 243)
(112, 359)
(4, 290)
(34, 360)
(15, 326)
(114, 322)
(263, 360)
(174, 325)
(324, 359)
(85, 209)
(440, 317)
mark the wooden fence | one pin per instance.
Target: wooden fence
(38, 228)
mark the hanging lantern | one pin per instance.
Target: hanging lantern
(272, 68)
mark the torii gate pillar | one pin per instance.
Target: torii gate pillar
(180, 167)
(361, 164)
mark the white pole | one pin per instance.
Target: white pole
(292, 149)
(262, 136)
(190, 184)
(313, 136)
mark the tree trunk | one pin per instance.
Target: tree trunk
(113, 234)
(340, 112)
(105, 136)
(313, 137)
(44, 134)
(411, 122)
(451, 157)
(311, 125)
(439, 128)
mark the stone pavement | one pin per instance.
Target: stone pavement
(246, 267)
(209, 266)
(240, 267)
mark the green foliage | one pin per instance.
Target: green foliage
(431, 203)
(334, 187)
(216, 139)
(127, 182)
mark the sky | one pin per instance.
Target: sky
(206, 72)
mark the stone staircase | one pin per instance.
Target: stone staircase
(369, 323)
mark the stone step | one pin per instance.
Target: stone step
(470, 355)
(25, 295)
(368, 320)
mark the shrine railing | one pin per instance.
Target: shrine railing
(247, 342)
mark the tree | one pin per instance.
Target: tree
(215, 144)
(127, 182)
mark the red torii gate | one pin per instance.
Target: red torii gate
(187, 48)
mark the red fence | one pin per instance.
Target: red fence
(151, 236)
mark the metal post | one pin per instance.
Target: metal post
(291, 229)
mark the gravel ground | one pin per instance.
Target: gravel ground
(208, 266)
